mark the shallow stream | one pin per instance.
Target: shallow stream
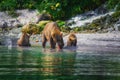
(34, 63)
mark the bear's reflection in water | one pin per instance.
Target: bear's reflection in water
(57, 63)
(48, 62)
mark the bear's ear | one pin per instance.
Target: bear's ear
(61, 34)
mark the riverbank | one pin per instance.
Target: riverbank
(89, 41)
(111, 39)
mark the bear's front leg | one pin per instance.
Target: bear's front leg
(43, 41)
(52, 43)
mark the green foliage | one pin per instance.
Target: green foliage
(22, 4)
(7, 4)
(29, 28)
(77, 29)
(62, 26)
(61, 23)
(63, 9)
(17, 4)
(116, 15)
(118, 7)
(59, 9)
(52, 7)
(34, 28)
(113, 4)
(40, 25)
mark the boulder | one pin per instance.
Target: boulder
(3, 25)
(44, 16)
(117, 25)
(101, 10)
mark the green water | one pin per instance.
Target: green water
(38, 64)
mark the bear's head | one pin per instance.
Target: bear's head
(57, 37)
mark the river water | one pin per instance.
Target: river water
(34, 63)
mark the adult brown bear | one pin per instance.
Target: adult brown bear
(52, 33)
(24, 40)
(72, 40)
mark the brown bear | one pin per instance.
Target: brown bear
(52, 33)
(24, 40)
(72, 40)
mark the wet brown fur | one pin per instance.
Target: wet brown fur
(52, 33)
(72, 40)
(24, 40)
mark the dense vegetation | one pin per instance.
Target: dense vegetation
(114, 4)
(59, 9)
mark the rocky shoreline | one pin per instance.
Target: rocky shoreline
(93, 41)
(85, 41)
(23, 17)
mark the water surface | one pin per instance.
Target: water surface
(34, 63)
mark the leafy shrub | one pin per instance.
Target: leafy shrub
(62, 26)
(116, 14)
(61, 23)
(8, 5)
(30, 28)
(64, 9)
(41, 25)
(59, 9)
(112, 4)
